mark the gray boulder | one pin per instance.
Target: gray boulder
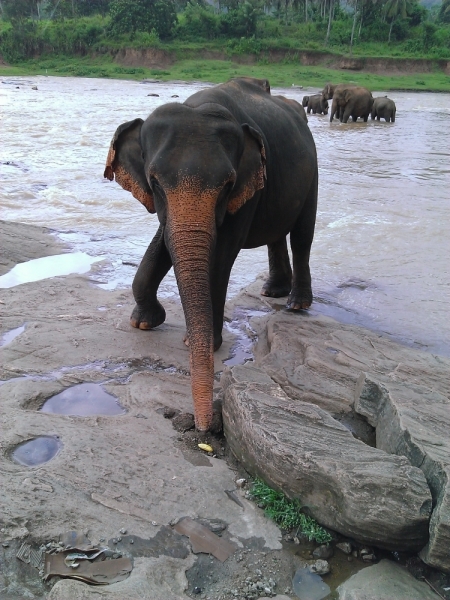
(385, 581)
(299, 448)
(367, 381)
(414, 420)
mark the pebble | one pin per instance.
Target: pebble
(240, 483)
(323, 551)
(123, 531)
(346, 547)
(320, 567)
(368, 557)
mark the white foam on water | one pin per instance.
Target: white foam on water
(48, 266)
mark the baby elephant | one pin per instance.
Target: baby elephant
(383, 108)
(317, 104)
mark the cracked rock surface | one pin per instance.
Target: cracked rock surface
(309, 402)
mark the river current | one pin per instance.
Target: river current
(381, 253)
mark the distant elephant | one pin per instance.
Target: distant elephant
(317, 104)
(232, 167)
(305, 101)
(351, 101)
(328, 93)
(383, 108)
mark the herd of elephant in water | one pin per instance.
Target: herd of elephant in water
(350, 100)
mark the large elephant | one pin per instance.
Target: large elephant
(349, 101)
(317, 104)
(383, 108)
(295, 105)
(232, 167)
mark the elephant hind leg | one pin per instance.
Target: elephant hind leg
(302, 235)
(149, 312)
(280, 273)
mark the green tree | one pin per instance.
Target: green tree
(18, 10)
(397, 8)
(129, 16)
(444, 12)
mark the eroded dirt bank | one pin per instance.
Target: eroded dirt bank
(132, 475)
(159, 59)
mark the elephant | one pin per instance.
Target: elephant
(317, 104)
(383, 108)
(232, 167)
(328, 93)
(305, 101)
(349, 101)
(295, 105)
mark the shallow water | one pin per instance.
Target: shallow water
(381, 252)
(83, 400)
(48, 266)
(37, 451)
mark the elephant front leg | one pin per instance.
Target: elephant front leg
(280, 273)
(149, 312)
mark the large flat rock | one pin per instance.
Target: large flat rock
(299, 448)
(403, 392)
(414, 420)
(385, 581)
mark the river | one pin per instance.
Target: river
(381, 254)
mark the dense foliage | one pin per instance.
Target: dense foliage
(392, 27)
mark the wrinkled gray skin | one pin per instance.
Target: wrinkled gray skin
(295, 105)
(383, 108)
(317, 105)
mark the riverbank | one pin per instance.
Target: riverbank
(134, 475)
(283, 68)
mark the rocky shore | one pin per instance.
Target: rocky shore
(352, 423)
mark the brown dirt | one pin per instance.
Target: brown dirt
(160, 59)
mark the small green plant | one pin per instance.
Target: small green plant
(287, 513)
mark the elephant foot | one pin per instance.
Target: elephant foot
(145, 317)
(299, 301)
(275, 290)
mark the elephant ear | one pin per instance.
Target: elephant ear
(252, 170)
(125, 162)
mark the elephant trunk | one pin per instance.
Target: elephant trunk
(190, 240)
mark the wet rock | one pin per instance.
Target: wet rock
(299, 448)
(345, 547)
(385, 581)
(320, 567)
(402, 392)
(323, 551)
(183, 422)
(413, 419)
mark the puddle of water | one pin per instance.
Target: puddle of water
(8, 337)
(48, 266)
(37, 451)
(83, 400)
(309, 586)
(242, 350)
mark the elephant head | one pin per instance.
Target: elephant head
(192, 166)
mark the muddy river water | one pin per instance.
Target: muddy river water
(381, 255)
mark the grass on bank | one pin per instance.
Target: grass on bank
(287, 513)
(282, 74)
